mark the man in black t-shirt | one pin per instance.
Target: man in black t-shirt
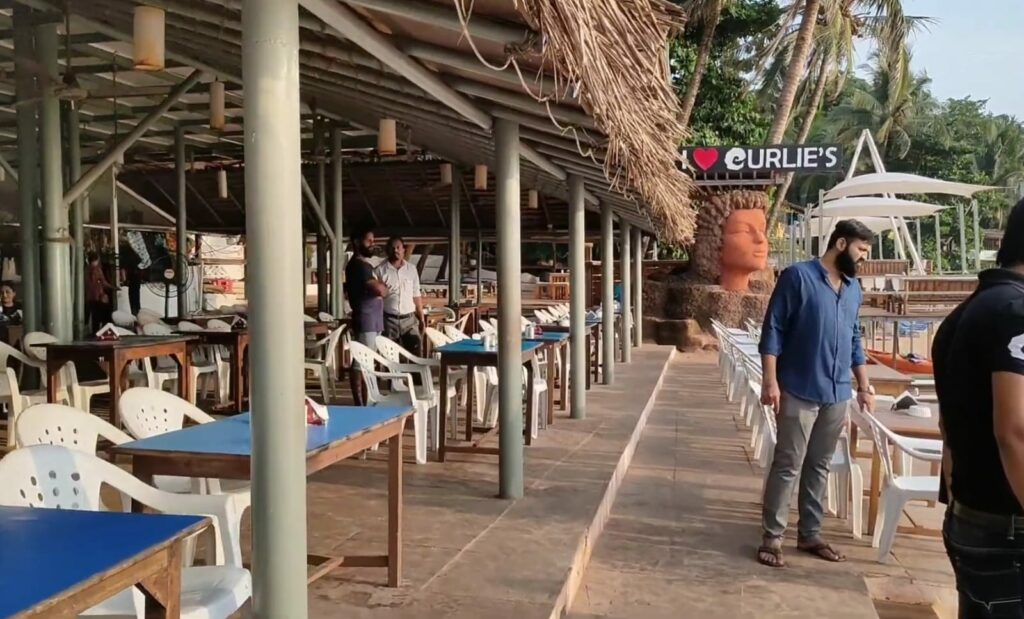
(365, 296)
(978, 355)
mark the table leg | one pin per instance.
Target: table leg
(876, 483)
(162, 590)
(563, 384)
(184, 375)
(551, 383)
(52, 373)
(395, 510)
(443, 411)
(591, 367)
(117, 368)
(529, 403)
(470, 401)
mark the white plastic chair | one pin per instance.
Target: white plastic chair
(147, 412)
(164, 370)
(17, 401)
(487, 327)
(897, 490)
(50, 476)
(122, 318)
(322, 360)
(325, 317)
(403, 361)
(7, 352)
(367, 361)
(147, 316)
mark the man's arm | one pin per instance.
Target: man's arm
(1008, 424)
(773, 333)
(417, 298)
(374, 286)
(865, 399)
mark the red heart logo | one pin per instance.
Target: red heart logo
(705, 157)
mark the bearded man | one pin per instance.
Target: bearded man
(810, 352)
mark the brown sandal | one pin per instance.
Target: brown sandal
(775, 554)
(822, 550)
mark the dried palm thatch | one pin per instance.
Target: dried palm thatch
(612, 54)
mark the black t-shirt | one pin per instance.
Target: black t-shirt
(984, 335)
(367, 309)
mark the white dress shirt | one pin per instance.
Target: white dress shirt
(403, 284)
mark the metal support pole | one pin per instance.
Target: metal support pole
(322, 298)
(626, 274)
(454, 243)
(479, 266)
(115, 232)
(338, 250)
(28, 166)
(182, 266)
(77, 219)
(607, 295)
(917, 235)
(510, 336)
(579, 365)
(963, 237)
(977, 235)
(638, 291)
(270, 66)
(318, 211)
(938, 245)
(116, 153)
(55, 215)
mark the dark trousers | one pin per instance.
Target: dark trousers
(405, 330)
(987, 558)
(135, 298)
(98, 315)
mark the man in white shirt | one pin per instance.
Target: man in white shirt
(403, 305)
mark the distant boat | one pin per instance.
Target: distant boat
(912, 365)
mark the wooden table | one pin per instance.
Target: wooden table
(237, 341)
(118, 354)
(904, 425)
(593, 329)
(553, 341)
(472, 354)
(888, 381)
(59, 563)
(223, 450)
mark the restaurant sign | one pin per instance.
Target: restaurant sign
(763, 159)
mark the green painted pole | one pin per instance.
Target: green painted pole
(607, 295)
(28, 166)
(626, 317)
(77, 218)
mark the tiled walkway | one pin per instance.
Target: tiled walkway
(684, 530)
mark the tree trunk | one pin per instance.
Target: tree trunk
(700, 66)
(805, 130)
(794, 72)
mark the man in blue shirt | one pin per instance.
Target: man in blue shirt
(810, 350)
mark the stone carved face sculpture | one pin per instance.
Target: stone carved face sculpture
(744, 248)
(730, 244)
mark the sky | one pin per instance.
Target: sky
(972, 49)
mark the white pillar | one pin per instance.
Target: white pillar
(510, 311)
(579, 364)
(638, 289)
(270, 70)
(607, 295)
(626, 274)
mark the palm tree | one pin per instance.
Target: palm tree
(707, 13)
(796, 68)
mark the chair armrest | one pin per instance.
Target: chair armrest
(399, 376)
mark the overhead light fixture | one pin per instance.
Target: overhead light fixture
(222, 184)
(532, 199)
(480, 177)
(217, 105)
(446, 174)
(148, 38)
(387, 140)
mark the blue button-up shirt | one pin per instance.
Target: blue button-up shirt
(815, 333)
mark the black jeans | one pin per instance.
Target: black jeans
(987, 561)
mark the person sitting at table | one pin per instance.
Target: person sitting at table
(404, 320)
(365, 293)
(9, 307)
(97, 293)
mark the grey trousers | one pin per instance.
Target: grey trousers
(807, 433)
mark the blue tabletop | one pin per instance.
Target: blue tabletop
(233, 437)
(477, 346)
(550, 336)
(46, 552)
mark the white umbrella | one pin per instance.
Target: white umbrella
(875, 224)
(876, 207)
(898, 182)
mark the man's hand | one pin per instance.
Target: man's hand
(771, 395)
(866, 401)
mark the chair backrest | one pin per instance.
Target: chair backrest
(389, 349)
(121, 331)
(149, 412)
(146, 316)
(486, 327)
(217, 324)
(51, 476)
(367, 360)
(308, 318)
(454, 333)
(156, 328)
(461, 323)
(56, 424)
(188, 326)
(7, 351)
(122, 318)
(436, 338)
(543, 316)
(325, 317)
(32, 344)
(331, 354)
(449, 314)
